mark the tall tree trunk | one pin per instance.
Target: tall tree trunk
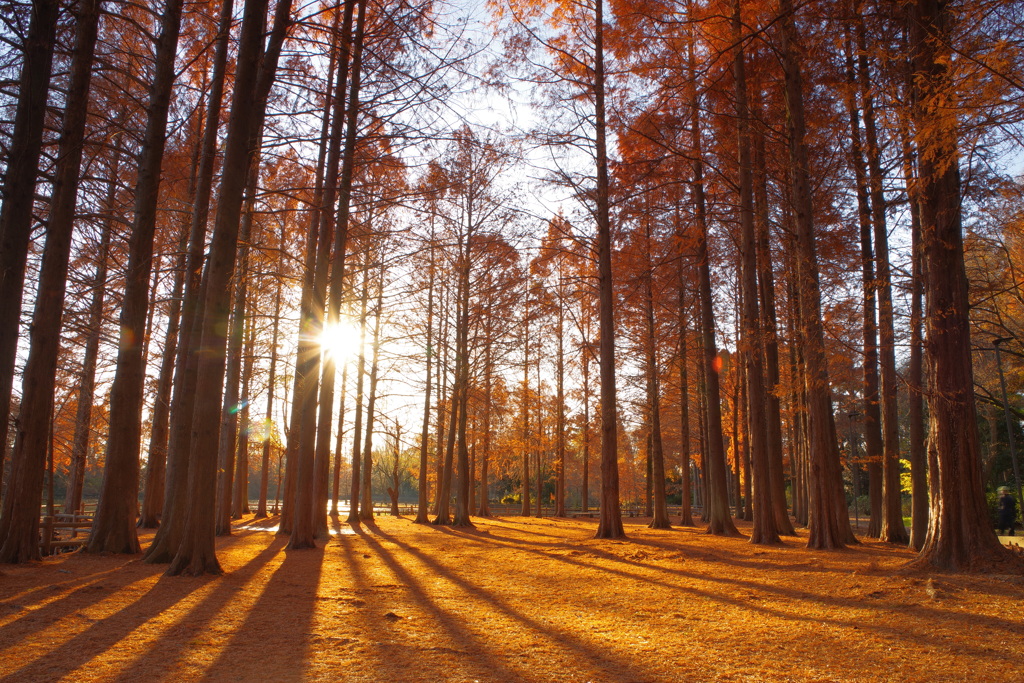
(240, 502)
(915, 372)
(686, 516)
(485, 509)
(525, 445)
(560, 401)
(366, 506)
(424, 484)
(960, 535)
(872, 411)
(307, 349)
(463, 474)
(26, 143)
(357, 427)
(610, 525)
(114, 527)
(338, 444)
(254, 76)
(87, 385)
(656, 472)
(172, 517)
(829, 518)
(442, 371)
(19, 525)
(585, 490)
(893, 530)
(261, 506)
(315, 449)
(156, 462)
(716, 504)
(769, 329)
(226, 447)
(764, 530)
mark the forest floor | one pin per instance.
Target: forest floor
(515, 599)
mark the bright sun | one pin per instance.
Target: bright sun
(340, 340)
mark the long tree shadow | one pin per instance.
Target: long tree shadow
(172, 645)
(486, 666)
(603, 661)
(273, 643)
(93, 590)
(895, 626)
(102, 635)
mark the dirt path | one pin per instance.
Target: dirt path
(513, 600)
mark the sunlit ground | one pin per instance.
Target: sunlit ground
(513, 600)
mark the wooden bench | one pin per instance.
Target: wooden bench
(49, 525)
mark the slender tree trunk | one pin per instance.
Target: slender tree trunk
(253, 77)
(261, 506)
(485, 509)
(26, 143)
(87, 386)
(610, 525)
(915, 374)
(525, 445)
(172, 517)
(357, 428)
(240, 505)
(872, 412)
(893, 530)
(686, 517)
(338, 444)
(424, 484)
(114, 527)
(769, 326)
(366, 507)
(829, 518)
(560, 407)
(442, 370)
(444, 484)
(716, 504)
(226, 450)
(156, 461)
(315, 450)
(764, 529)
(464, 473)
(585, 491)
(18, 527)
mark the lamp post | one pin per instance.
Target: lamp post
(1006, 414)
(854, 471)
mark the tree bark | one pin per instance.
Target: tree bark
(610, 524)
(172, 517)
(764, 530)
(114, 527)
(19, 184)
(357, 428)
(87, 386)
(829, 518)
(366, 506)
(315, 447)
(18, 528)
(893, 529)
(254, 75)
(424, 485)
(960, 535)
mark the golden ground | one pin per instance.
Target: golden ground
(513, 600)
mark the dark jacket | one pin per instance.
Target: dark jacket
(1007, 511)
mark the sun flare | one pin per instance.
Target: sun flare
(340, 340)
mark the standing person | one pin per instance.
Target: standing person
(1007, 510)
